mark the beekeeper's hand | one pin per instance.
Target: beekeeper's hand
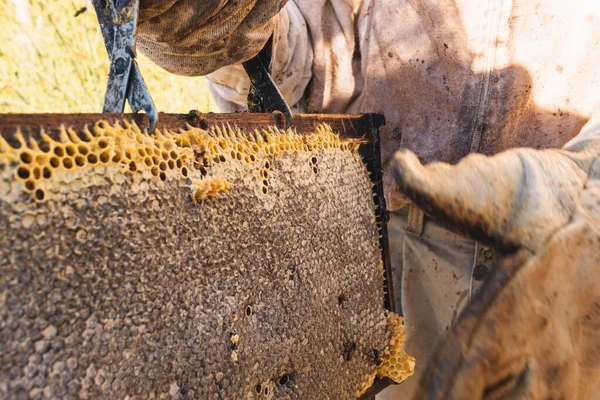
(532, 330)
(197, 37)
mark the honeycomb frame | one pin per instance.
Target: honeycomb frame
(146, 161)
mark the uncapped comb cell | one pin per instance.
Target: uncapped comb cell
(197, 264)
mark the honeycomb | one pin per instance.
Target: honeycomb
(216, 263)
(395, 364)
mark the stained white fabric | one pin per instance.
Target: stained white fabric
(451, 77)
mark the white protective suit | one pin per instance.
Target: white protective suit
(451, 77)
(531, 331)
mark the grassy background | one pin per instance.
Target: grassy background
(52, 61)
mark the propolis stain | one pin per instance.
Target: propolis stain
(127, 260)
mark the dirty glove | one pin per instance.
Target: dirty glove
(533, 330)
(197, 37)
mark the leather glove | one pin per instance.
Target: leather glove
(533, 329)
(197, 37)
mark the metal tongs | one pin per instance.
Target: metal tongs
(118, 21)
(264, 96)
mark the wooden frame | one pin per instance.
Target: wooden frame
(364, 126)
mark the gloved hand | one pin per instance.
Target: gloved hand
(197, 37)
(533, 330)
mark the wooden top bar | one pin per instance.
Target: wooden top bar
(345, 125)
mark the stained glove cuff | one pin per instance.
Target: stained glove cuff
(194, 38)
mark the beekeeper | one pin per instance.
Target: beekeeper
(452, 77)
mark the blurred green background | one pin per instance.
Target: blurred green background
(54, 61)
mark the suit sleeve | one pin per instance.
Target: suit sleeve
(292, 66)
